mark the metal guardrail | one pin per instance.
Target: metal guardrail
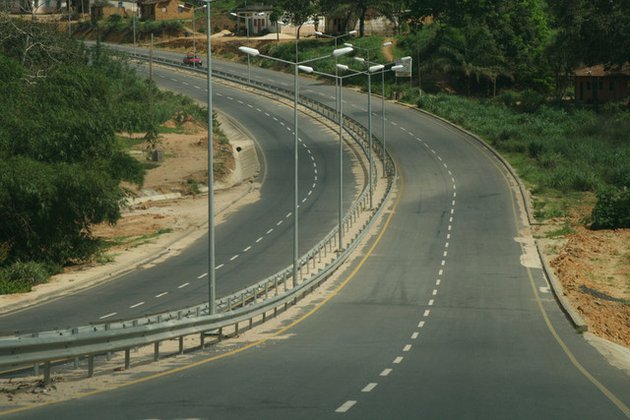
(259, 300)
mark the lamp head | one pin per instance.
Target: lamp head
(249, 51)
(376, 68)
(305, 69)
(342, 51)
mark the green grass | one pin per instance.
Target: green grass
(558, 151)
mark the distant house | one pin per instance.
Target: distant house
(163, 10)
(598, 84)
(256, 16)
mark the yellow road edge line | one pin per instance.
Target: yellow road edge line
(241, 349)
(574, 361)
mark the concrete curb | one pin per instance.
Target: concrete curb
(575, 318)
(558, 291)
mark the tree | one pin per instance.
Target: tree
(60, 166)
(297, 12)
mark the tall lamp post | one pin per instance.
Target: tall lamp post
(239, 16)
(370, 70)
(394, 67)
(211, 240)
(339, 87)
(336, 38)
(296, 67)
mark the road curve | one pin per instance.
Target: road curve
(253, 243)
(441, 319)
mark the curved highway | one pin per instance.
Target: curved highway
(253, 243)
(440, 319)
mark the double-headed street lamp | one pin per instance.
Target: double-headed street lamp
(339, 87)
(393, 68)
(370, 70)
(246, 17)
(296, 67)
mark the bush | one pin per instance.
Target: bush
(22, 276)
(612, 210)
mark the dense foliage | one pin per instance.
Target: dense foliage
(60, 165)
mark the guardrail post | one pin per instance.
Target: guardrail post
(75, 331)
(202, 339)
(242, 300)
(90, 365)
(181, 345)
(127, 358)
(229, 304)
(47, 372)
(275, 285)
(156, 351)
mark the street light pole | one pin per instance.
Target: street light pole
(211, 239)
(238, 16)
(296, 67)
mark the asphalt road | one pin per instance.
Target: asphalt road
(441, 320)
(253, 243)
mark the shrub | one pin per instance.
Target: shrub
(612, 210)
(22, 276)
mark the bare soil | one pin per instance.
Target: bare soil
(594, 268)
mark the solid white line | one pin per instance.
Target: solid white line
(202, 276)
(407, 347)
(108, 315)
(420, 324)
(269, 231)
(181, 286)
(161, 294)
(136, 305)
(385, 372)
(414, 335)
(345, 406)
(427, 312)
(431, 302)
(234, 257)
(398, 360)
(369, 387)
(247, 249)
(259, 239)
(219, 266)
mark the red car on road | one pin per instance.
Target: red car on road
(192, 60)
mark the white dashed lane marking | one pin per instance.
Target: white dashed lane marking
(108, 315)
(135, 305)
(161, 294)
(369, 387)
(181, 286)
(345, 406)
